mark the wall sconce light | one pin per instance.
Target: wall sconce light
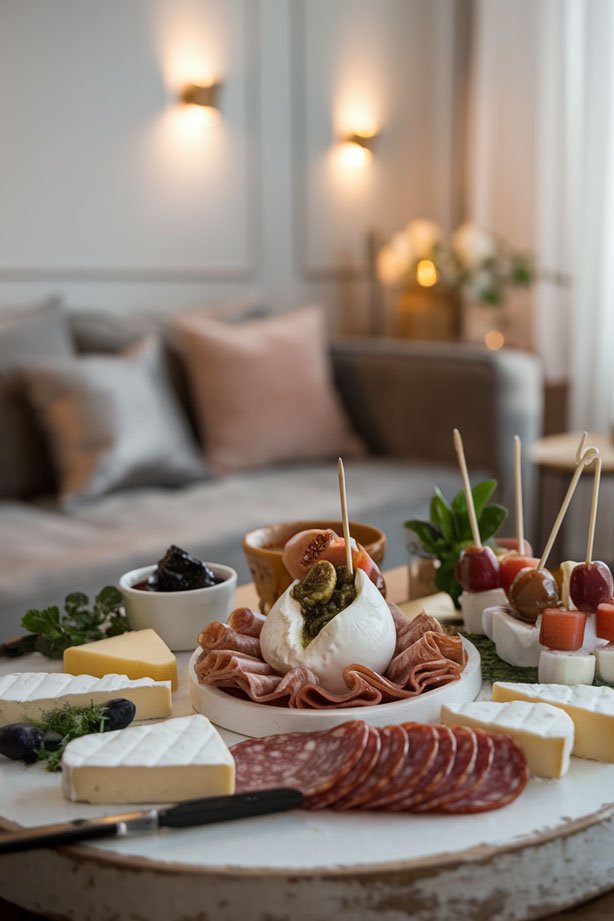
(357, 149)
(205, 97)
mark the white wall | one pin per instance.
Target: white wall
(112, 195)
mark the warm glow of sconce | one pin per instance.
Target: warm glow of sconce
(357, 149)
(426, 273)
(204, 100)
(494, 340)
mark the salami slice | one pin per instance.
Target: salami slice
(393, 751)
(423, 743)
(354, 778)
(311, 762)
(504, 780)
(435, 779)
(462, 769)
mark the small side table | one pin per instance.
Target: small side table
(555, 459)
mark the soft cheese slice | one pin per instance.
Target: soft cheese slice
(545, 733)
(172, 761)
(516, 642)
(439, 605)
(591, 709)
(27, 695)
(139, 654)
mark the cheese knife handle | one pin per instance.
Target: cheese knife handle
(227, 808)
(28, 839)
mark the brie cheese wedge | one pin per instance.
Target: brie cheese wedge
(545, 733)
(363, 633)
(172, 761)
(27, 695)
(591, 709)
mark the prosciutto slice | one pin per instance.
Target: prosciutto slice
(425, 657)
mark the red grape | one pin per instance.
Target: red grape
(477, 569)
(590, 585)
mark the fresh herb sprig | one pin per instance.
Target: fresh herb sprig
(449, 530)
(51, 632)
(68, 723)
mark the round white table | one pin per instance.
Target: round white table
(548, 850)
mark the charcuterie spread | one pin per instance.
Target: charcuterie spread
(332, 642)
(423, 657)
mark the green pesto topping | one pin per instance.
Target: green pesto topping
(324, 592)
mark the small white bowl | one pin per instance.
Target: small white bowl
(178, 617)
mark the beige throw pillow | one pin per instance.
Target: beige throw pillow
(113, 422)
(263, 392)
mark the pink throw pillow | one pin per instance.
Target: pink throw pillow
(263, 391)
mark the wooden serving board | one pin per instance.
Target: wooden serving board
(548, 850)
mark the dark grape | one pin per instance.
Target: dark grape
(20, 741)
(478, 569)
(119, 714)
(590, 585)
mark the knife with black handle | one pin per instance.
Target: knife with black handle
(183, 815)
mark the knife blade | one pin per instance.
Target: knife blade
(183, 815)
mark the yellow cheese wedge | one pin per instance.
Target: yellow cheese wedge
(139, 654)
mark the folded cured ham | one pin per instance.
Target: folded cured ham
(407, 768)
(425, 657)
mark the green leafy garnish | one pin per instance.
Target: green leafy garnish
(51, 632)
(449, 532)
(69, 723)
(496, 669)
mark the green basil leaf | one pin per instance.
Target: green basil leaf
(427, 533)
(491, 519)
(441, 515)
(481, 494)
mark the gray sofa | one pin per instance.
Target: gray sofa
(403, 397)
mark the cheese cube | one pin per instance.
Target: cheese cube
(168, 762)
(473, 605)
(138, 654)
(439, 605)
(562, 667)
(591, 709)
(27, 695)
(516, 642)
(544, 733)
(605, 662)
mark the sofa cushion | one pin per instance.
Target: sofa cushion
(25, 467)
(263, 391)
(113, 422)
(48, 554)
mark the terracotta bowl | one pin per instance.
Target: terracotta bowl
(264, 548)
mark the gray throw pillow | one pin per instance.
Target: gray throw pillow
(113, 422)
(25, 463)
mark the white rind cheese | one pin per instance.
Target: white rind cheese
(28, 695)
(473, 605)
(604, 656)
(591, 709)
(545, 733)
(516, 642)
(562, 667)
(179, 759)
(362, 633)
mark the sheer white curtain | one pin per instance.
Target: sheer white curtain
(541, 173)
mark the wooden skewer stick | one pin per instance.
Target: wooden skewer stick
(583, 458)
(518, 490)
(345, 519)
(594, 504)
(462, 463)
